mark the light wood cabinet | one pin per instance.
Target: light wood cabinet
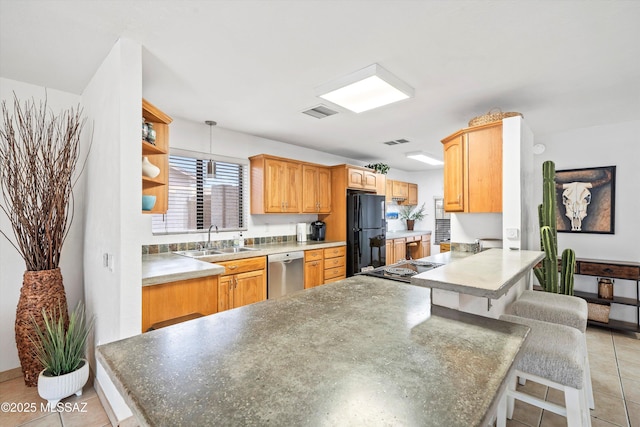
(316, 189)
(276, 185)
(168, 301)
(158, 155)
(412, 194)
(361, 178)
(400, 190)
(404, 193)
(425, 245)
(399, 249)
(388, 191)
(313, 268)
(244, 282)
(473, 169)
(388, 248)
(445, 247)
(454, 166)
(335, 264)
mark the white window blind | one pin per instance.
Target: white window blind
(196, 202)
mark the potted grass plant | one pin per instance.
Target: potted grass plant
(60, 346)
(411, 214)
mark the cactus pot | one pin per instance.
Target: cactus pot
(54, 389)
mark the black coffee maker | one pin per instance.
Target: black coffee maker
(318, 230)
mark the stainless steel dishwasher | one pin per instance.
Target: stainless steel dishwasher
(285, 273)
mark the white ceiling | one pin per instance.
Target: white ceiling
(253, 65)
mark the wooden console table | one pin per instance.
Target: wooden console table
(614, 270)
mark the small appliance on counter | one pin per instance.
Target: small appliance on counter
(318, 230)
(301, 232)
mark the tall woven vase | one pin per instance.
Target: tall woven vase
(40, 289)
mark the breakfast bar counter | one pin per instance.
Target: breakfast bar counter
(484, 283)
(361, 351)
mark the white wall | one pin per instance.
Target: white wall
(610, 145)
(194, 136)
(113, 101)
(12, 265)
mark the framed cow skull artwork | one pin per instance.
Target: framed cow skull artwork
(586, 200)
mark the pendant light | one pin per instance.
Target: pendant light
(211, 165)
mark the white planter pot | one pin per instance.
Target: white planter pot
(54, 389)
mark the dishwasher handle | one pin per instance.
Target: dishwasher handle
(285, 257)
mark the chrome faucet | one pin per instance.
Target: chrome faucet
(209, 234)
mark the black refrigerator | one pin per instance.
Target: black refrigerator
(366, 227)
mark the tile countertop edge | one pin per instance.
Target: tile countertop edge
(130, 400)
(435, 278)
(170, 267)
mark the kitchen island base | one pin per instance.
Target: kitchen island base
(361, 351)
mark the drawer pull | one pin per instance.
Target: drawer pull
(233, 267)
(608, 270)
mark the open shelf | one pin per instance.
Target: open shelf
(594, 298)
(158, 155)
(616, 324)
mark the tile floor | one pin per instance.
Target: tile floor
(615, 371)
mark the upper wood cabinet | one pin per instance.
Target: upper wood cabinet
(412, 194)
(316, 189)
(404, 193)
(158, 155)
(454, 166)
(473, 169)
(276, 185)
(361, 178)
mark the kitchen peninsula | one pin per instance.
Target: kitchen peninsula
(361, 351)
(483, 283)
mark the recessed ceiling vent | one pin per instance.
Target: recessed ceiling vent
(320, 112)
(396, 141)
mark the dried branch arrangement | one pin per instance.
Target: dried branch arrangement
(38, 155)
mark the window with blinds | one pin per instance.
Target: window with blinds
(196, 202)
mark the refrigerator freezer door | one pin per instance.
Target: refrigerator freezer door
(371, 212)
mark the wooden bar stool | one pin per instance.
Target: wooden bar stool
(560, 309)
(553, 355)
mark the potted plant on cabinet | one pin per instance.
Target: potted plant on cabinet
(411, 215)
(382, 168)
(60, 348)
(39, 152)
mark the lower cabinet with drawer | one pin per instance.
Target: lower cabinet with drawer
(243, 282)
(324, 266)
(335, 264)
(170, 303)
(313, 268)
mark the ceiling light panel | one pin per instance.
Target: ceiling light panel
(425, 158)
(366, 89)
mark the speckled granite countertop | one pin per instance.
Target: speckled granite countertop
(405, 233)
(361, 351)
(489, 274)
(170, 267)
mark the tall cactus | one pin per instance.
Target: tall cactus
(547, 274)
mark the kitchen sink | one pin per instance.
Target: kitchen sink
(199, 253)
(208, 252)
(234, 250)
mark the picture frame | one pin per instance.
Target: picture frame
(586, 200)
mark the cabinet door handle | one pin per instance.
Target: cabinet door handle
(236, 286)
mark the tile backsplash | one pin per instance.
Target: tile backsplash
(187, 246)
